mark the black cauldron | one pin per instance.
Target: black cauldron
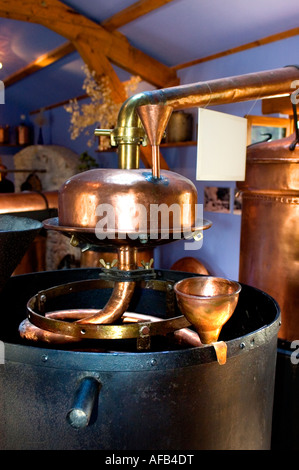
(172, 397)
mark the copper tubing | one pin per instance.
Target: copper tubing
(127, 258)
(156, 161)
(27, 330)
(32, 333)
(116, 305)
(182, 336)
(235, 89)
(122, 292)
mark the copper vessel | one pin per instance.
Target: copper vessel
(4, 134)
(136, 197)
(207, 302)
(270, 228)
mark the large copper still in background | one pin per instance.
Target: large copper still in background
(269, 256)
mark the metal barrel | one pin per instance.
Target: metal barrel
(270, 229)
(269, 261)
(168, 398)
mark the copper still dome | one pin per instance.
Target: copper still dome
(127, 206)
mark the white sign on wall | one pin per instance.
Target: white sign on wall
(221, 146)
(2, 95)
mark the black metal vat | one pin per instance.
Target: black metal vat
(172, 397)
(285, 409)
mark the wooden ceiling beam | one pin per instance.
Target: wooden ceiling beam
(41, 62)
(259, 42)
(67, 22)
(138, 9)
(131, 13)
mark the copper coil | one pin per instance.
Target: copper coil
(31, 332)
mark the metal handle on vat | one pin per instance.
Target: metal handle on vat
(84, 401)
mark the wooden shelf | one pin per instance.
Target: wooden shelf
(188, 143)
(14, 145)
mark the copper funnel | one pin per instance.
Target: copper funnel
(154, 118)
(207, 302)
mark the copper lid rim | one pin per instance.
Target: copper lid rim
(53, 224)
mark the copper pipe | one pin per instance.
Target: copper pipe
(127, 258)
(28, 331)
(28, 201)
(253, 86)
(156, 161)
(182, 336)
(116, 305)
(122, 291)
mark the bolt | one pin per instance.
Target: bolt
(242, 345)
(74, 241)
(107, 264)
(153, 362)
(144, 330)
(45, 357)
(143, 238)
(147, 264)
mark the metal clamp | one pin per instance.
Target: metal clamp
(43, 320)
(113, 274)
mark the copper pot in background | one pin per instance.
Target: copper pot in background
(269, 254)
(23, 135)
(4, 134)
(180, 127)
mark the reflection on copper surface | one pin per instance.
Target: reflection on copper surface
(94, 193)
